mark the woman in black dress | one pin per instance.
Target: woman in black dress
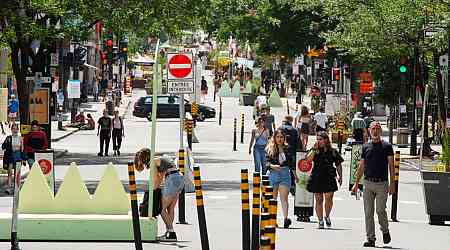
(323, 176)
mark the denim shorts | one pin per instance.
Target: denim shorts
(173, 185)
(281, 177)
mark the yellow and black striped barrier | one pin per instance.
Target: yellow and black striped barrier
(234, 134)
(134, 207)
(242, 128)
(395, 195)
(194, 111)
(267, 197)
(269, 231)
(265, 243)
(256, 210)
(273, 219)
(265, 221)
(200, 209)
(265, 184)
(189, 126)
(181, 198)
(245, 210)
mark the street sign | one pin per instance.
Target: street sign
(73, 89)
(185, 87)
(180, 67)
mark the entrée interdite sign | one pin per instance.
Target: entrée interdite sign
(180, 73)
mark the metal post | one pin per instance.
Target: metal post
(391, 124)
(242, 128)
(16, 186)
(413, 149)
(234, 134)
(182, 115)
(340, 141)
(245, 210)
(220, 111)
(134, 207)
(256, 210)
(395, 195)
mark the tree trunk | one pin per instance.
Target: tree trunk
(19, 61)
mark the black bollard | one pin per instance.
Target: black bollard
(134, 207)
(234, 135)
(16, 187)
(242, 128)
(220, 111)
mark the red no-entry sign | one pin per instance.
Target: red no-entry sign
(179, 66)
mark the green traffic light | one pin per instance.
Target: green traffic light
(403, 69)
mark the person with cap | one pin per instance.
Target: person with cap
(35, 140)
(377, 165)
(104, 131)
(118, 132)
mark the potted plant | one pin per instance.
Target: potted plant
(436, 183)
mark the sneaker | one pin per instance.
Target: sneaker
(369, 243)
(106, 155)
(115, 153)
(386, 238)
(321, 224)
(168, 237)
(118, 152)
(287, 223)
(100, 154)
(328, 221)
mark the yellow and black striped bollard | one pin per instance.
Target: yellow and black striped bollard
(134, 207)
(234, 135)
(245, 210)
(267, 197)
(269, 231)
(194, 111)
(265, 243)
(256, 211)
(265, 184)
(189, 126)
(181, 198)
(395, 195)
(273, 218)
(265, 221)
(200, 209)
(242, 128)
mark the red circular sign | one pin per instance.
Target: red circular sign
(180, 66)
(304, 165)
(46, 166)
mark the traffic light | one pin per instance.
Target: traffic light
(103, 58)
(403, 68)
(109, 47)
(123, 48)
(336, 74)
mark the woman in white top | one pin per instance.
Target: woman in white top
(303, 123)
(117, 132)
(13, 146)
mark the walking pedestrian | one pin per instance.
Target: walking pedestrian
(269, 118)
(359, 128)
(13, 147)
(303, 124)
(35, 140)
(260, 137)
(118, 132)
(279, 158)
(104, 131)
(95, 89)
(13, 109)
(321, 119)
(377, 159)
(204, 89)
(323, 177)
(292, 145)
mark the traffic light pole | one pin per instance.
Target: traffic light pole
(413, 149)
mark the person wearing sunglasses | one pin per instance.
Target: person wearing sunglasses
(279, 159)
(326, 170)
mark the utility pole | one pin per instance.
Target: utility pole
(413, 149)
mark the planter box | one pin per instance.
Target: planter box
(436, 186)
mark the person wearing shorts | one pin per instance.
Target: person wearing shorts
(173, 185)
(279, 159)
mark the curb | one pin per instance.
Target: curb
(59, 154)
(64, 136)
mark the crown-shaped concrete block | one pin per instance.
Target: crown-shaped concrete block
(110, 196)
(72, 196)
(225, 90)
(248, 87)
(35, 194)
(274, 99)
(236, 91)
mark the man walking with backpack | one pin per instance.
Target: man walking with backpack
(292, 141)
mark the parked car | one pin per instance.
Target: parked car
(169, 107)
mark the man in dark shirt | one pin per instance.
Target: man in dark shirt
(376, 159)
(104, 130)
(292, 141)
